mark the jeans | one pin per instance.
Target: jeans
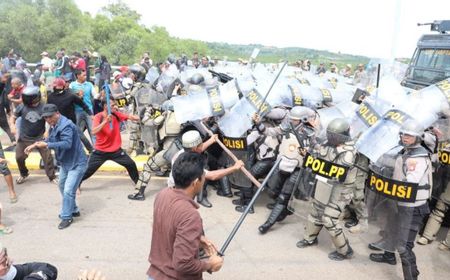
(69, 180)
(84, 121)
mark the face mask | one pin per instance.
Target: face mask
(58, 91)
(10, 275)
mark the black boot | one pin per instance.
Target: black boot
(138, 195)
(241, 209)
(202, 198)
(385, 257)
(224, 187)
(276, 212)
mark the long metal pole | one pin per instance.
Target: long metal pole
(247, 209)
(273, 83)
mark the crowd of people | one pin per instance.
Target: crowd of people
(51, 109)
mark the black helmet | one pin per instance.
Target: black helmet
(196, 79)
(31, 95)
(138, 71)
(338, 131)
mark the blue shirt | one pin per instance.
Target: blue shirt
(88, 90)
(64, 139)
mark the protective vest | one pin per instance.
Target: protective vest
(414, 165)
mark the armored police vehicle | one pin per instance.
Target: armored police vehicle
(431, 60)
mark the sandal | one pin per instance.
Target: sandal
(13, 199)
(21, 179)
(6, 230)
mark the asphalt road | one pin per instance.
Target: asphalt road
(113, 234)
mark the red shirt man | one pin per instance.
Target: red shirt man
(108, 142)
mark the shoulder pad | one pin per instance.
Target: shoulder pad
(418, 152)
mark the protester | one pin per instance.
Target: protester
(84, 90)
(8, 177)
(109, 141)
(5, 108)
(26, 271)
(32, 128)
(64, 140)
(177, 232)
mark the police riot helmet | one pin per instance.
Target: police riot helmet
(196, 79)
(138, 72)
(31, 95)
(301, 113)
(171, 59)
(191, 139)
(338, 131)
(413, 128)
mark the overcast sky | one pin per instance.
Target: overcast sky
(374, 28)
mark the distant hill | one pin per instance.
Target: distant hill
(274, 54)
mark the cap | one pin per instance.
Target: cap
(48, 110)
(59, 83)
(116, 73)
(44, 53)
(191, 139)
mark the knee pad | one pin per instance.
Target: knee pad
(440, 209)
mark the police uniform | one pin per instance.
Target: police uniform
(442, 206)
(266, 152)
(412, 165)
(134, 128)
(330, 199)
(159, 162)
(286, 178)
(357, 204)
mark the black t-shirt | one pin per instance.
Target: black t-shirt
(32, 126)
(66, 104)
(36, 271)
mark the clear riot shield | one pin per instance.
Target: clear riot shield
(238, 120)
(200, 104)
(389, 201)
(152, 75)
(366, 115)
(300, 205)
(313, 97)
(342, 110)
(147, 97)
(423, 111)
(441, 160)
(118, 93)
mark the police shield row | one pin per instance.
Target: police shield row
(320, 164)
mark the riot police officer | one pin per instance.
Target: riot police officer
(332, 195)
(159, 163)
(412, 165)
(266, 152)
(138, 76)
(303, 119)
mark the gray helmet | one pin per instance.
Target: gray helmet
(196, 79)
(301, 113)
(171, 58)
(191, 139)
(413, 128)
(138, 71)
(338, 131)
